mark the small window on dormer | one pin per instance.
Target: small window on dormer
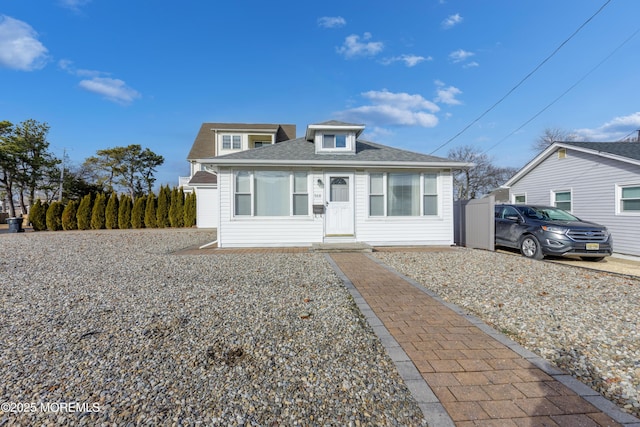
(334, 141)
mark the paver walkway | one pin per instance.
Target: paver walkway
(480, 377)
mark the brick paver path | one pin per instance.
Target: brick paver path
(478, 380)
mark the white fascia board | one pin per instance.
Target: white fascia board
(312, 128)
(274, 130)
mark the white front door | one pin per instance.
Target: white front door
(339, 204)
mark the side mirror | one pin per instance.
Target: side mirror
(514, 218)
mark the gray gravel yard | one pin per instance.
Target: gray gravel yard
(110, 327)
(585, 322)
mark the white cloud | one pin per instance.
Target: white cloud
(471, 64)
(409, 60)
(460, 55)
(613, 130)
(387, 108)
(68, 66)
(352, 46)
(452, 21)
(331, 22)
(112, 89)
(447, 95)
(20, 48)
(73, 4)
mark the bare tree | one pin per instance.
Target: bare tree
(552, 135)
(481, 179)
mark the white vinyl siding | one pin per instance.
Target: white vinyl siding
(206, 207)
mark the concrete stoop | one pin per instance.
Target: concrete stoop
(341, 247)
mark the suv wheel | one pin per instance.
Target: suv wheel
(530, 247)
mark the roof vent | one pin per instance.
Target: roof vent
(562, 153)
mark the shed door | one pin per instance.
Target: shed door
(339, 213)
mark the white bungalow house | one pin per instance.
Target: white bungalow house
(331, 186)
(215, 139)
(596, 181)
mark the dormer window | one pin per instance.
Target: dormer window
(231, 142)
(334, 141)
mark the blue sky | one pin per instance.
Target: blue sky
(106, 73)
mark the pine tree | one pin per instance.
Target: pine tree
(176, 210)
(162, 213)
(84, 213)
(54, 216)
(69, 220)
(124, 212)
(190, 210)
(38, 216)
(111, 212)
(98, 212)
(150, 220)
(137, 212)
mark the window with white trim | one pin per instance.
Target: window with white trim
(630, 199)
(403, 194)
(231, 142)
(271, 193)
(562, 200)
(519, 198)
(334, 141)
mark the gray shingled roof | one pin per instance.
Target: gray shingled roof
(624, 149)
(301, 150)
(204, 145)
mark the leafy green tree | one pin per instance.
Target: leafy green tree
(111, 212)
(54, 216)
(124, 212)
(138, 212)
(98, 212)
(190, 210)
(77, 183)
(129, 168)
(150, 219)
(8, 163)
(69, 220)
(162, 212)
(84, 213)
(38, 216)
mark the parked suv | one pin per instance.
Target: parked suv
(545, 230)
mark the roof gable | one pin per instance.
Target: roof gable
(627, 152)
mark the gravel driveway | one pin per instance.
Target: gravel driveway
(109, 326)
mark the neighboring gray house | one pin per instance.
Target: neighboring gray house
(596, 181)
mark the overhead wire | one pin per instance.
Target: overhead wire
(513, 89)
(565, 92)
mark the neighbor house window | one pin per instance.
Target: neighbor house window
(271, 193)
(562, 200)
(403, 194)
(520, 198)
(334, 141)
(630, 199)
(231, 141)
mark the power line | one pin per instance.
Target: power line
(523, 80)
(565, 92)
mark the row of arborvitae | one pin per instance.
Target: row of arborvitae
(171, 208)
